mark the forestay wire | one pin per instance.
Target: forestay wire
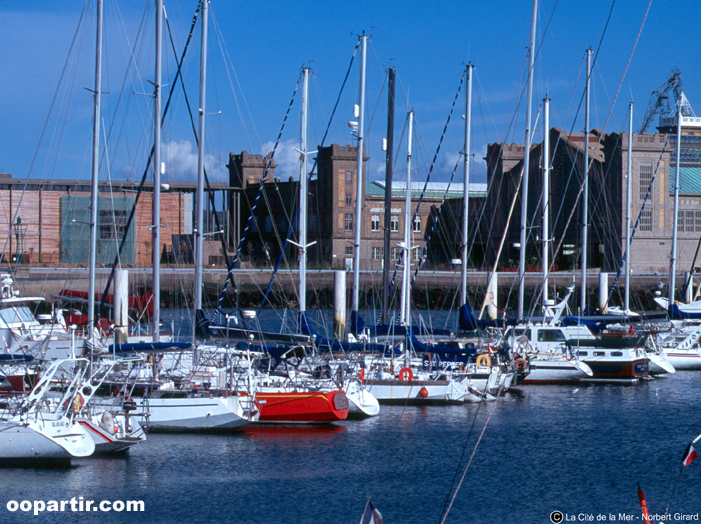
(637, 221)
(251, 217)
(309, 178)
(148, 163)
(428, 177)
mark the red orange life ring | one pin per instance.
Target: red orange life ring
(78, 402)
(406, 374)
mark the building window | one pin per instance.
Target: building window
(349, 251)
(686, 222)
(698, 221)
(349, 176)
(282, 224)
(375, 223)
(349, 199)
(646, 220)
(396, 252)
(417, 224)
(254, 225)
(113, 224)
(417, 254)
(378, 253)
(645, 179)
(689, 227)
(348, 221)
(394, 223)
(268, 224)
(312, 223)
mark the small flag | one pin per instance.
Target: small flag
(689, 455)
(371, 515)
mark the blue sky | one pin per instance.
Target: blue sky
(256, 51)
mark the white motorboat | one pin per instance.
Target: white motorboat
(36, 436)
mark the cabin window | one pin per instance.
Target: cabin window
(582, 353)
(617, 354)
(517, 332)
(375, 223)
(599, 353)
(550, 335)
(348, 221)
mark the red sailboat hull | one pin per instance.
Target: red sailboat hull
(302, 406)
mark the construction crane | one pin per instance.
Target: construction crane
(661, 104)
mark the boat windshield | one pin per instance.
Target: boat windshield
(16, 315)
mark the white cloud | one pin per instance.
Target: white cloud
(180, 158)
(286, 158)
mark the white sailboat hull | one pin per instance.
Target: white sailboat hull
(191, 414)
(46, 441)
(361, 403)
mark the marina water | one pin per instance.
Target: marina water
(580, 450)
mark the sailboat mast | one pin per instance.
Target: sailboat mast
(303, 192)
(526, 167)
(406, 289)
(673, 261)
(585, 205)
(546, 197)
(95, 172)
(628, 198)
(156, 226)
(466, 184)
(199, 228)
(359, 178)
(389, 161)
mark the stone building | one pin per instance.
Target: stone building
(331, 220)
(652, 189)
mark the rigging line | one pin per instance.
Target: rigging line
(637, 221)
(228, 62)
(430, 170)
(148, 164)
(251, 217)
(630, 58)
(436, 220)
(681, 468)
(501, 245)
(311, 172)
(462, 457)
(46, 123)
(379, 96)
(210, 193)
(467, 467)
